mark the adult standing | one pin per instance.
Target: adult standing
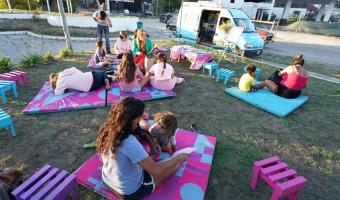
(142, 46)
(123, 44)
(102, 17)
(289, 82)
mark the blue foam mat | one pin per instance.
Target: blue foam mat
(268, 101)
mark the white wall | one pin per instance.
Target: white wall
(118, 24)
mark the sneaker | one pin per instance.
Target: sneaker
(195, 128)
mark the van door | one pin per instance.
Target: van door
(188, 22)
(224, 24)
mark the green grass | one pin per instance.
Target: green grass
(307, 139)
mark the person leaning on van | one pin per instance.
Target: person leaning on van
(142, 46)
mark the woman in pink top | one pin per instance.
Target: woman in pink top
(131, 79)
(74, 79)
(162, 75)
(289, 82)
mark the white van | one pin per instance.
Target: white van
(208, 23)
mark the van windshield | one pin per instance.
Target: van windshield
(244, 23)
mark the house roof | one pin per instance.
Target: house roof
(326, 2)
(311, 7)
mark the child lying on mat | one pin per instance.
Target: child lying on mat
(131, 79)
(247, 81)
(162, 74)
(127, 169)
(100, 56)
(74, 79)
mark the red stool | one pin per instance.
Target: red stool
(15, 76)
(48, 183)
(284, 181)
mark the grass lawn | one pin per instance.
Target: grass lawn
(307, 139)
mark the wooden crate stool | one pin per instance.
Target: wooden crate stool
(258, 72)
(5, 86)
(210, 66)
(48, 183)
(225, 74)
(15, 76)
(284, 181)
(6, 121)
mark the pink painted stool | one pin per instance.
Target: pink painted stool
(284, 181)
(48, 183)
(15, 76)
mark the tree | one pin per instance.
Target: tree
(9, 6)
(65, 27)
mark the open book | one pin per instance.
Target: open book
(187, 150)
(156, 50)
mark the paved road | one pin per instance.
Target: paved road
(314, 47)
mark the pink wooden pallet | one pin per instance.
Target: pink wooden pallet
(284, 181)
(15, 76)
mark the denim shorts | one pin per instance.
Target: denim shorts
(134, 89)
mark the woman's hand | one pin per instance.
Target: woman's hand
(183, 157)
(138, 53)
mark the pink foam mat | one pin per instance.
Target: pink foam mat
(93, 65)
(147, 93)
(190, 181)
(46, 101)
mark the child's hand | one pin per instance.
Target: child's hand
(157, 148)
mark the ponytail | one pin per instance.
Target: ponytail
(298, 60)
(161, 57)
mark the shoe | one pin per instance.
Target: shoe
(109, 52)
(196, 129)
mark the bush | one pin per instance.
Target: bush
(31, 60)
(48, 57)
(6, 64)
(65, 52)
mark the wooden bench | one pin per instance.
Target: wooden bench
(284, 181)
(6, 121)
(15, 76)
(210, 66)
(225, 74)
(48, 183)
(5, 86)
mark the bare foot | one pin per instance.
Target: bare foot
(107, 84)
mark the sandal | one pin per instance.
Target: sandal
(196, 129)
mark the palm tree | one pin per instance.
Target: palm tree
(65, 27)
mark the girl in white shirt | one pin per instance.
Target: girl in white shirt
(123, 44)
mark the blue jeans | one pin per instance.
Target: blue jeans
(104, 29)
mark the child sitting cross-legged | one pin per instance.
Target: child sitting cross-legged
(247, 81)
(131, 79)
(100, 56)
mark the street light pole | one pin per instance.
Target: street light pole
(157, 7)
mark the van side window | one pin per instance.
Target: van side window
(225, 25)
(191, 19)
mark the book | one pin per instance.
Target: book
(187, 150)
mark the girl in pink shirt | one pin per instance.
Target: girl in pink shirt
(123, 44)
(162, 75)
(74, 79)
(131, 79)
